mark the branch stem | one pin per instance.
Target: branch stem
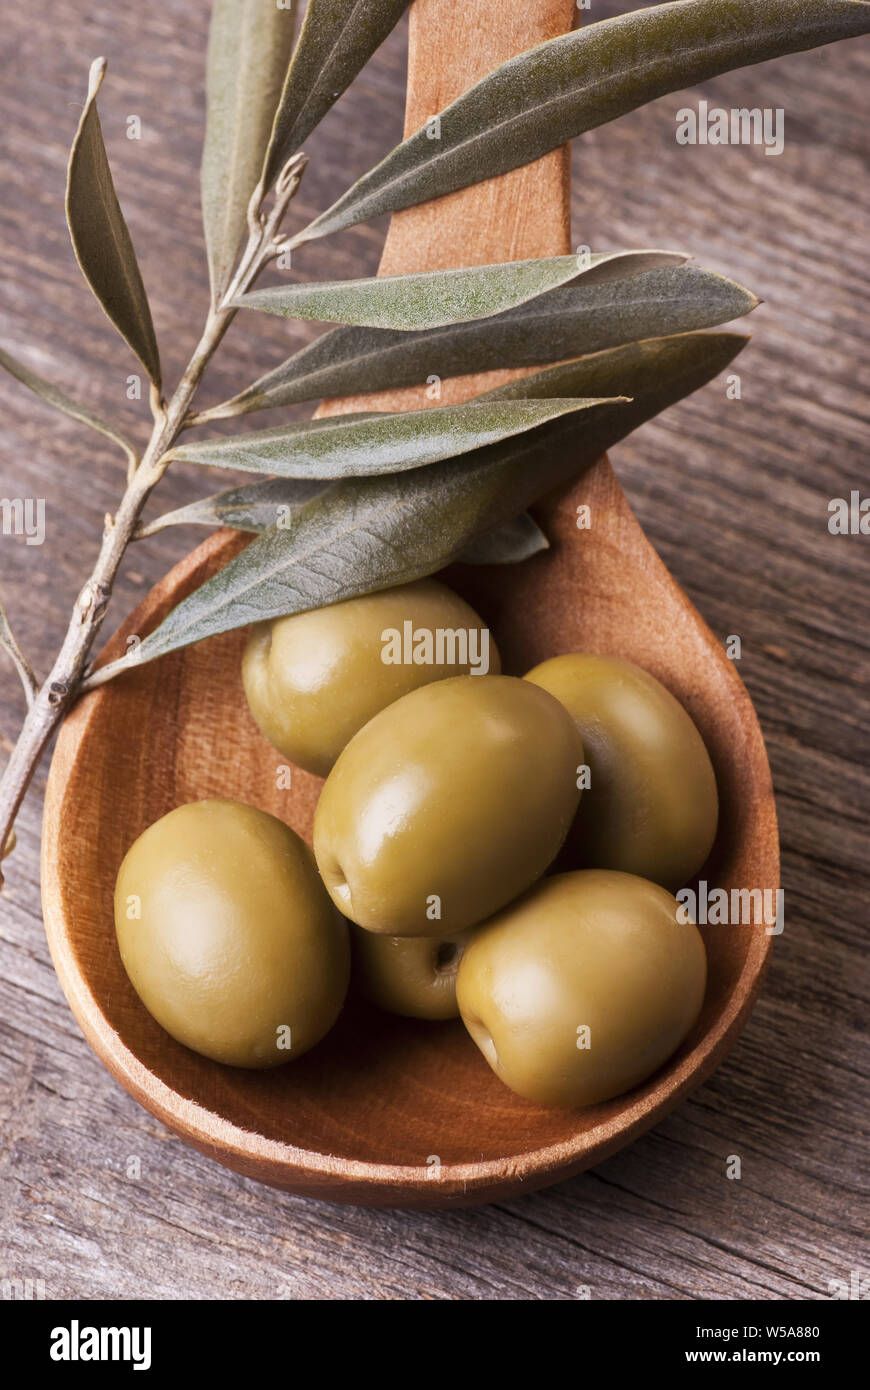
(49, 705)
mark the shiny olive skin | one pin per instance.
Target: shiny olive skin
(312, 680)
(447, 804)
(410, 975)
(651, 807)
(236, 941)
(595, 950)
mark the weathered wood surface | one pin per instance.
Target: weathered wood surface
(734, 494)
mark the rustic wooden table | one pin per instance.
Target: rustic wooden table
(96, 1199)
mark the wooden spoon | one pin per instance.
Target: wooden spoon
(388, 1111)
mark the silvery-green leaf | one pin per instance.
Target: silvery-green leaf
(338, 37)
(100, 237)
(9, 644)
(431, 298)
(578, 81)
(257, 506)
(366, 534)
(357, 446)
(254, 507)
(249, 47)
(61, 401)
(562, 323)
(508, 544)
(601, 372)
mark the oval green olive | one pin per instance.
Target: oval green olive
(583, 988)
(447, 804)
(410, 975)
(227, 934)
(651, 807)
(312, 680)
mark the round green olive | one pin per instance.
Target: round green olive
(227, 935)
(583, 988)
(651, 807)
(314, 679)
(447, 804)
(410, 975)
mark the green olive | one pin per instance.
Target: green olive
(447, 804)
(651, 807)
(227, 935)
(583, 988)
(410, 975)
(314, 679)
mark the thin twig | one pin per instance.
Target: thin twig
(205, 417)
(9, 643)
(49, 704)
(152, 528)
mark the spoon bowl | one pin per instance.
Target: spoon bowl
(389, 1111)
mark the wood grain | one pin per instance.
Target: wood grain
(734, 495)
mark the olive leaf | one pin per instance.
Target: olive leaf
(249, 47)
(338, 37)
(257, 506)
(254, 507)
(561, 323)
(362, 535)
(9, 644)
(357, 446)
(273, 501)
(598, 372)
(61, 401)
(433, 298)
(508, 544)
(581, 80)
(100, 237)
